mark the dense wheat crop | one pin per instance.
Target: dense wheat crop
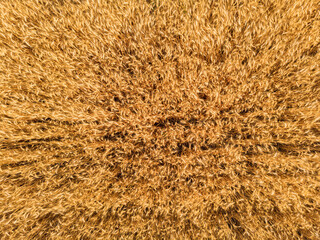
(160, 119)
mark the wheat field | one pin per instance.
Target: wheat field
(186, 119)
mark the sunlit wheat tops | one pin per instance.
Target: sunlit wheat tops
(159, 119)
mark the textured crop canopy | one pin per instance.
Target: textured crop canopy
(151, 119)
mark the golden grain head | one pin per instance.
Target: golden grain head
(159, 119)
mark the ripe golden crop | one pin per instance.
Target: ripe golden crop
(159, 119)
